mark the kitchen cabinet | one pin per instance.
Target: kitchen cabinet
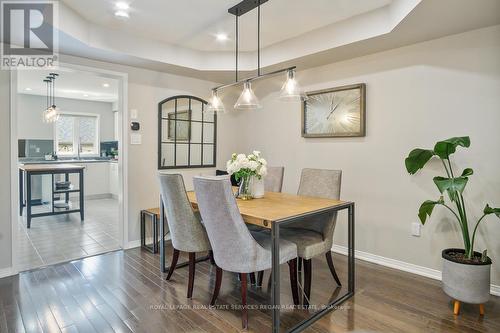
(114, 184)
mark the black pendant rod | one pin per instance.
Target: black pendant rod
(237, 41)
(258, 39)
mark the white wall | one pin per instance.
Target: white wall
(31, 126)
(416, 96)
(5, 224)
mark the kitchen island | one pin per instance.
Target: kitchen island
(26, 171)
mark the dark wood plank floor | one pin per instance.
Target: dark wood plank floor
(125, 292)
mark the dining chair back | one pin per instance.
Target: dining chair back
(273, 181)
(186, 230)
(233, 246)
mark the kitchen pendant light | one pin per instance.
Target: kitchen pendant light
(215, 104)
(247, 99)
(51, 113)
(291, 90)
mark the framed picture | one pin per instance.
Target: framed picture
(183, 124)
(337, 112)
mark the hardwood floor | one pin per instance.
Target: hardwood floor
(124, 292)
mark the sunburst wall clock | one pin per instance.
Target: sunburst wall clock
(337, 112)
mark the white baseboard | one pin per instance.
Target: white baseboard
(4, 272)
(401, 265)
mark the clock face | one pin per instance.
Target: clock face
(334, 113)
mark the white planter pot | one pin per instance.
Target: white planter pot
(257, 187)
(468, 283)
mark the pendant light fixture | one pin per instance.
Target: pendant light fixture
(248, 100)
(291, 90)
(215, 104)
(51, 113)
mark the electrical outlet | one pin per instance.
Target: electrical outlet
(415, 229)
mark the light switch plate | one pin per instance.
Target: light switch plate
(134, 114)
(135, 139)
(416, 229)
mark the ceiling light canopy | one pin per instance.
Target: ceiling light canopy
(290, 90)
(105, 85)
(122, 5)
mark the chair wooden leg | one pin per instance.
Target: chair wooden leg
(292, 265)
(481, 309)
(260, 277)
(175, 257)
(218, 280)
(211, 257)
(456, 308)
(192, 264)
(252, 278)
(244, 313)
(329, 260)
(307, 280)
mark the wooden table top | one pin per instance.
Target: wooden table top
(50, 167)
(276, 206)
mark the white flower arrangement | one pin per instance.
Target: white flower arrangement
(243, 166)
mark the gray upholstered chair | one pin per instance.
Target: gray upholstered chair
(235, 248)
(186, 230)
(273, 181)
(314, 236)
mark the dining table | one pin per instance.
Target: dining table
(274, 211)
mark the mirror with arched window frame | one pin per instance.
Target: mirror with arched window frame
(186, 133)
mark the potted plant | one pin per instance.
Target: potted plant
(247, 170)
(466, 273)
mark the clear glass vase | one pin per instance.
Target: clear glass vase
(245, 190)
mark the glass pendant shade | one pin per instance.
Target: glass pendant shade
(291, 90)
(215, 104)
(247, 99)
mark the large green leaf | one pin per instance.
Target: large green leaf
(489, 210)
(426, 209)
(417, 159)
(451, 185)
(447, 147)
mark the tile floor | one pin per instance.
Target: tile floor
(54, 239)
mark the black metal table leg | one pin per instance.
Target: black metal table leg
(28, 199)
(82, 204)
(66, 179)
(21, 192)
(275, 276)
(350, 246)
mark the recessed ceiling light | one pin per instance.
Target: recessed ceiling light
(105, 85)
(28, 89)
(121, 14)
(85, 95)
(221, 37)
(122, 5)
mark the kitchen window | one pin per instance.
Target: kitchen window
(77, 135)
